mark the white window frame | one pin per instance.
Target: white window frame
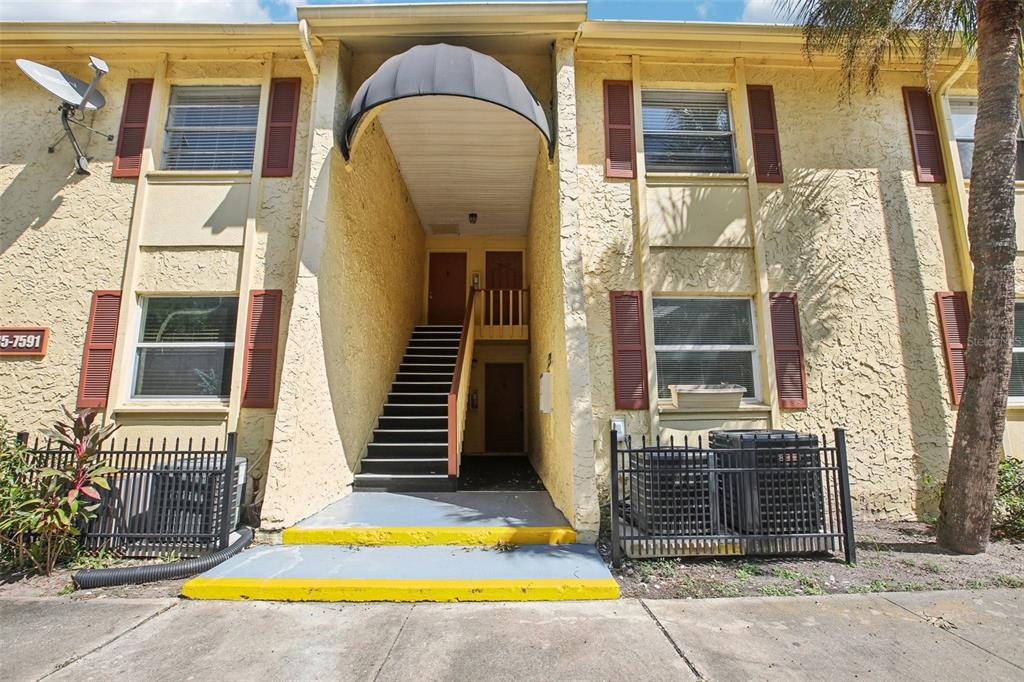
(141, 301)
(731, 132)
(954, 100)
(167, 128)
(752, 348)
(1016, 399)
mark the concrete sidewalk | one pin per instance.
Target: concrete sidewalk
(918, 636)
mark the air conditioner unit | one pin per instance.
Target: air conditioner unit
(186, 499)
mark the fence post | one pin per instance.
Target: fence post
(844, 496)
(229, 491)
(613, 511)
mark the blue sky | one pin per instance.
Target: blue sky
(763, 11)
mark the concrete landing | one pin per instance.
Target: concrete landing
(408, 574)
(461, 518)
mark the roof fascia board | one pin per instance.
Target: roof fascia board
(69, 35)
(455, 19)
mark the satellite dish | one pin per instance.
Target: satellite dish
(62, 85)
(76, 95)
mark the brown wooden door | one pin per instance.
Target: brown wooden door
(503, 407)
(446, 289)
(505, 272)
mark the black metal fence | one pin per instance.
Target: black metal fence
(166, 498)
(710, 499)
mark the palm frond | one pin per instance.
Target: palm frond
(868, 34)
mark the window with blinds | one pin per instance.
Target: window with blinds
(185, 347)
(211, 127)
(687, 131)
(705, 341)
(1017, 371)
(964, 114)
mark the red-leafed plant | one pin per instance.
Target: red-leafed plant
(45, 509)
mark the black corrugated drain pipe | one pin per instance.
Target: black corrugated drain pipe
(136, 575)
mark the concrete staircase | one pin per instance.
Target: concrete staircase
(409, 449)
(486, 546)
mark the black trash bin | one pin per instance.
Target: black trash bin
(770, 484)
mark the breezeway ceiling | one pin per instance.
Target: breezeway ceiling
(460, 156)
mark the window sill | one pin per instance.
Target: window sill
(1015, 407)
(206, 408)
(204, 177)
(669, 179)
(666, 407)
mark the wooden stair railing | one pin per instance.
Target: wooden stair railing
(458, 395)
(503, 314)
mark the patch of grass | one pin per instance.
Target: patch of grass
(101, 558)
(728, 590)
(653, 568)
(810, 586)
(909, 563)
(66, 590)
(880, 585)
(777, 591)
(976, 584)
(933, 566)
(786, 574)
(1013, 581)
(747, 570)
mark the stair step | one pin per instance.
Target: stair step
(421, 387)
(438, 327)
(406, 450)
(407, 422)
(440, 344)
(418, 399)
(410, 574)
(401, 465)
(448, 359)
(424, 410)
(429, 368)
(424, 377)
(413, 483)
(434, 334)
(419, 436)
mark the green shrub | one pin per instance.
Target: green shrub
(1008, 518)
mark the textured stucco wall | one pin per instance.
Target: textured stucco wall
(61, 235)
(370, 291)
(864, 246)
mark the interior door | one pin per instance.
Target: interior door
(504, 271)
(503, 407)
(446, 288)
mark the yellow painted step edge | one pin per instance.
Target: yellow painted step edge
(361, 589)
(428, 535)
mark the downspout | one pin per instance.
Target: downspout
(955, 175)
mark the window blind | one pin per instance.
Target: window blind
(1017, 370)
(964, 115)
(704, 341)
(211, 127)
(687, 131)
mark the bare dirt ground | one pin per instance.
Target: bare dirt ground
(891, 557)
(59, 584)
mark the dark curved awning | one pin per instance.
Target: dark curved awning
(443, 69)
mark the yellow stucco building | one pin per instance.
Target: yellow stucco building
(296, 228)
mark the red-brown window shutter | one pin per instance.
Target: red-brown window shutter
(282, 120)
(790, 376)
(955, 320)
(629, 352)
(619, 147)
(924, 136)
(764, 130)
(98, 359)
(259, 371)
(131, 138)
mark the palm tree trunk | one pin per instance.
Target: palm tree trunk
(965, 519)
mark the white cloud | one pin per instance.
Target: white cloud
(228, 11)
(762, 12)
